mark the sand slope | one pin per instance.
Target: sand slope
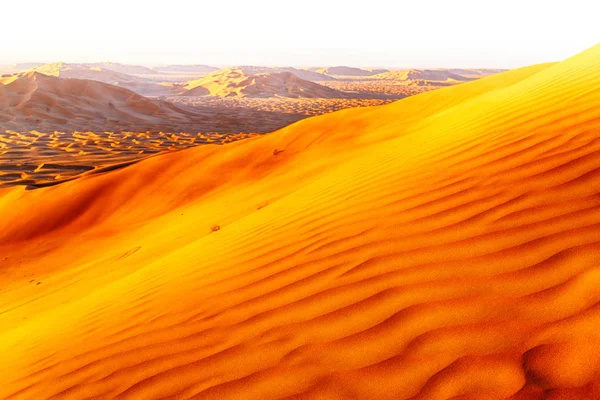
(235, 82)
(445, 246)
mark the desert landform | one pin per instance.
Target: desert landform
(443, 246)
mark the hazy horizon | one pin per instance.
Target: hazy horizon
(462, 34)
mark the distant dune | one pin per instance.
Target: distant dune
(122, 68)
(475, 72)
(350, 71)
(300, 73)
(422, 74)
(238, 82)
(99, 72)
(32, 100)
(185, 68)
(445, 246)
(15, 68)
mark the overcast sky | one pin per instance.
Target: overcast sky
(417, 33)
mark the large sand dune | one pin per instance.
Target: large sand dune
(445, 246)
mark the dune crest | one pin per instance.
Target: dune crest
(445, 246)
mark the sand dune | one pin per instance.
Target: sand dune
(123, 68)
(300, 73)
(96, 71)
(19, 67)
(445, 246)
(235, 82)
(32, 100)
(349, 71)
(54, 129)
(113, 74)
(475, 72)
(186, 68)
(421, 74)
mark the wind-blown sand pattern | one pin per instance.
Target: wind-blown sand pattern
(445, 246)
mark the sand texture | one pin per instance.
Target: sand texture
(445, 246)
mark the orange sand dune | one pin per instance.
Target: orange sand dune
(446, 246)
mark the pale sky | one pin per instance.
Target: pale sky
(416, 33)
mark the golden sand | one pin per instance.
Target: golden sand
(445, 246)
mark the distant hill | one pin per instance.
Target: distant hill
(48, 102)
(237, 82)
(475, 72)
(199, 68)
(99, 72)
(349, 71)
(122, 68)
(421, 74)
(300, 73)
(19, 67)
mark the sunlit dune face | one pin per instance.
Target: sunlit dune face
(445, 246)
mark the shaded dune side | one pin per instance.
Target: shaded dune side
(445, 246)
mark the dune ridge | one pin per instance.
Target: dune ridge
(445, 246)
